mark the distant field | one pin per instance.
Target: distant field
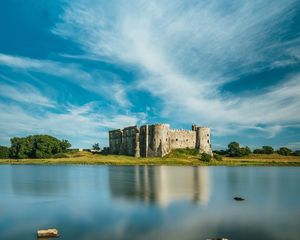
(176, 158)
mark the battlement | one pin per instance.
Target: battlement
(157, 140)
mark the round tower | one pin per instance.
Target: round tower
(203, 140)
(159, 140)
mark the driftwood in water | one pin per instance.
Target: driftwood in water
(49, 233)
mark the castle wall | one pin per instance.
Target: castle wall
(130, 141)
(157, 140)
(115, 141)
(182, 139)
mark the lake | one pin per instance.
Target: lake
(145, 202)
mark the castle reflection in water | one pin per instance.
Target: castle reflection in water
(161, 184)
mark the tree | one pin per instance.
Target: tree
(96, 147)
(267, 150)
(37, 146)
(234, 150)
(284, 151)
(64, 144)
(4, 152)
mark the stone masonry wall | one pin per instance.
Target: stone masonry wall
(157, 140)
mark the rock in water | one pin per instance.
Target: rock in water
(238, 199)
(49, 233)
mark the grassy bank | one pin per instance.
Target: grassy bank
(176, 158)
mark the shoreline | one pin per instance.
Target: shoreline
(85, 158)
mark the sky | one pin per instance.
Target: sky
(76, 69)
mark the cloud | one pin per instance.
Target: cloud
(25, 93)
(85, 121)
(186, 51)
(100, 82)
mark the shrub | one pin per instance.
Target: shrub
(218, 157)
(264, 150)
(220, 152)
(4, 152)
(60, 155)
(284, 151)
(296, 153)
(257, 151)
(205, 157)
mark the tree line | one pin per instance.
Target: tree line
(34, 146)
(234, 150)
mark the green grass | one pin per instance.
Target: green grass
(181, 157)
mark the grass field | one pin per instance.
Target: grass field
(183, 158)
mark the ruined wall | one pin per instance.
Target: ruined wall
(115, 141)
(144, 140)
(130, 138)
(157, 140)
(182, 139)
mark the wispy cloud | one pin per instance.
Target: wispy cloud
(85, 121)
(100, 82)
(25, 93)
(185, 51)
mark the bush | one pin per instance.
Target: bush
(218, 157)
(267, 150)
(4, 152)
(284, 151)
(205, 157)
(220, 152)
(296, 153)
(60, 155)
(264, 150)
(257, 151)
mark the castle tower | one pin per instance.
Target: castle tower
(158, 140)
(203, 139)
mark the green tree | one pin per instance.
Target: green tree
(64, 144)
(284, 151)
(234, 150)
(37, 146)
(4, 152)
(267, 150)
(96, 147)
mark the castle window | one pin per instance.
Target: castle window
(187, 140)
(208, 135)
(207, 141)
(176, 139)
(166, 139)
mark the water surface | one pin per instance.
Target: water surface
(140, 202)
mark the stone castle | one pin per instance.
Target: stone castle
(157, 140)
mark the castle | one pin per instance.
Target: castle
(157, 140)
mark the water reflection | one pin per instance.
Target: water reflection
(139, 202)
(161, 184)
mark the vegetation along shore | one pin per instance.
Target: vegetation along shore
(44, 149)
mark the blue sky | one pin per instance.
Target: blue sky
(75, 69)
